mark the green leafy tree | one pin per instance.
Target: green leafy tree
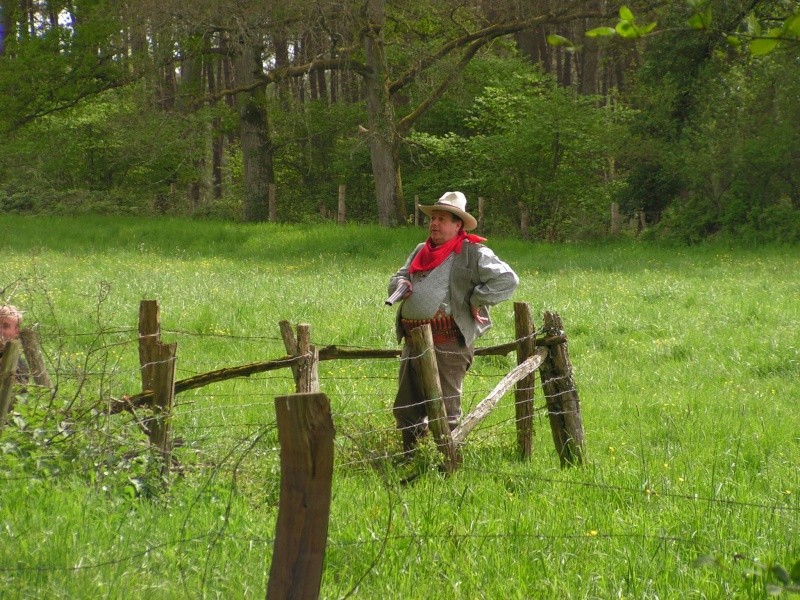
(534, 146)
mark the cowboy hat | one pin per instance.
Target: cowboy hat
(456, 203)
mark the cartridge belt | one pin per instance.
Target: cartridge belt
(443, 328)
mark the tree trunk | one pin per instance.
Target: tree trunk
(589, 58)
(213, 70)
(383, 138)
(190, 91)
(257, 147)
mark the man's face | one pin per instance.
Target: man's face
(9, 329)
(443, 226)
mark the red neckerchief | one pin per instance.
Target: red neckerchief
(430, 256)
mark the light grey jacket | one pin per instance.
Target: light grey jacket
(478, 278)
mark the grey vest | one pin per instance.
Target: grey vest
(464, 277)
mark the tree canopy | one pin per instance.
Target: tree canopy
(683, 114)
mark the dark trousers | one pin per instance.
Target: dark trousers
(453, 360)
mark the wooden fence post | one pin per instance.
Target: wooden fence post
(308, 367)
(422, 342)
(149, 332)
(272, 202)
(416, 210)
(290, 343)
(341, 213)
(480, 213)
(33, 356)
(524, 221)
(523, 396)
(158, 375)
(160, 426)
(615, 219)
(306, 370)
(8, 375)
(306, 434)
(563, 404)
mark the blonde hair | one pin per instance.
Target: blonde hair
(11, 311)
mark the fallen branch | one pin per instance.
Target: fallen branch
(487, 404)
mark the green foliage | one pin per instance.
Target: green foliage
(526, 140)
(114, 155)
(770, 577)
(58, 67)
(626, 27)
(321, 149)
(673, 145)
(759, 42)
(738, 158)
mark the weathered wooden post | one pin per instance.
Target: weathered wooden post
(272, 202)
(615, 219)
(308, 367)
(480, 213)
(306, 370)
(158, 375)
(425, 355)
(33, 356)
(341, 214)
(563, 404)
(523, 396)
(306, 434)
(8, 375)
(524, 221)
(416, 210)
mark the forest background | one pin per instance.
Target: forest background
(684, 114)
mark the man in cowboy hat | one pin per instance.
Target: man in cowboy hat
(450, 282)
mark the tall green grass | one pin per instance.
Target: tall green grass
(687, 362)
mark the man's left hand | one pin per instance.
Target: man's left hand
(476, 314)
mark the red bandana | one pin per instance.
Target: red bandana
(430, 256)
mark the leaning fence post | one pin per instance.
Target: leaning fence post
(308, 367)
(422, 342)
(306, 434)
(8, 374)
(563, 404)
(33, 355)
(158, 375)
(523, 396)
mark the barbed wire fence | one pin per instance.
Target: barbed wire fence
(225, 430)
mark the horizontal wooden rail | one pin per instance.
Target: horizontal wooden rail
(197, 381)
(326, 353)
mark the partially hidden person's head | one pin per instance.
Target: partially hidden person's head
(448, 216)
(10, 322)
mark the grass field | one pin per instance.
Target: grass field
(687, 363)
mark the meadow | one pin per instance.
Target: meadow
(686, 360)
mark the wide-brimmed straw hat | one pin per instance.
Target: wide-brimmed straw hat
(456, 203)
